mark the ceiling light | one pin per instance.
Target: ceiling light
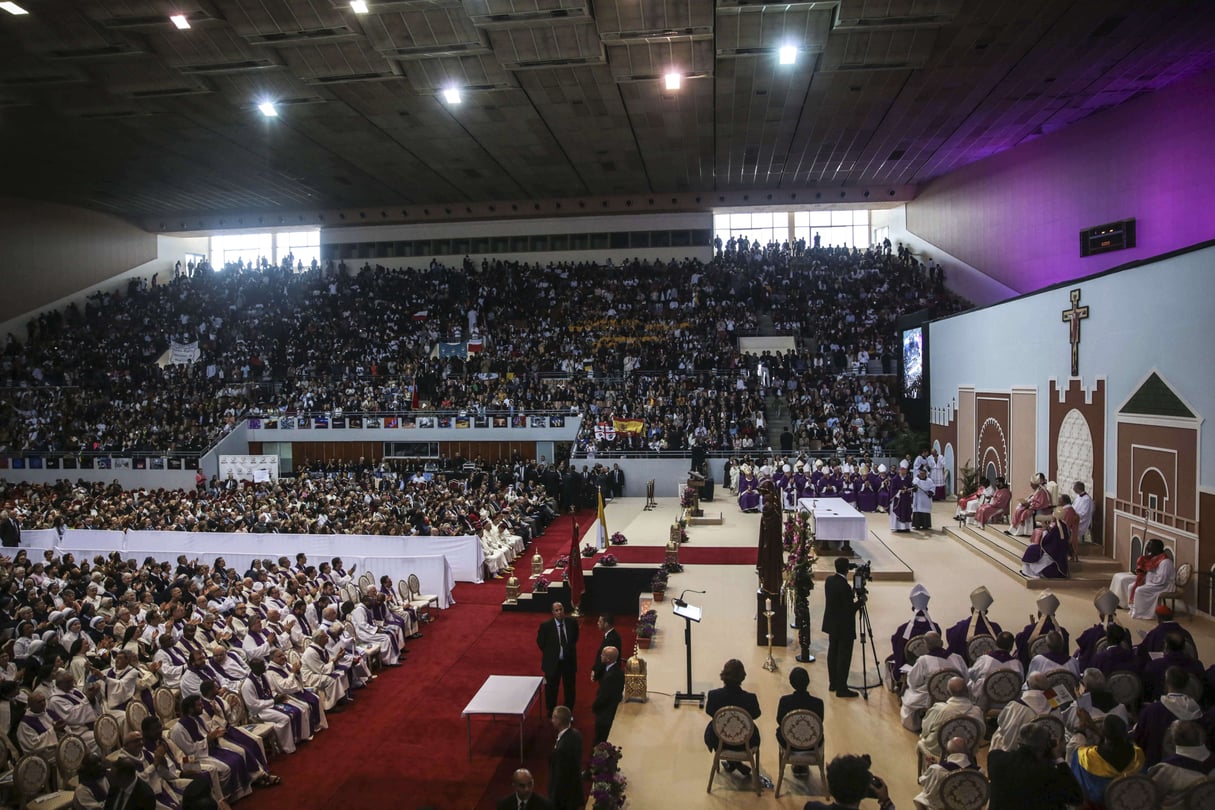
(180, 21)
(268, 109)
(673, 81)
(358, 6)
(452, 95)
(788, 54)
(14, 9)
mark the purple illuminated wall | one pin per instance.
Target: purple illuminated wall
(1017, 215)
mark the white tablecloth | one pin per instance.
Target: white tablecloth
(504, 694)
(463, 553)
(835, 519)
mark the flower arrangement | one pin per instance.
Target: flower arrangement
(799, 543)
(607, 784)
(562, 562)
(618, 539)
(589, 550)
(541, 585)
(659, 582)
(673, 567)
(687, 498)
(647, 628)
(608, 559)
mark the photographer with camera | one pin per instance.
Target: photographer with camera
(850, 782)
(839, 623)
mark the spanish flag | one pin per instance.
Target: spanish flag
(602, 541)
(629, 425)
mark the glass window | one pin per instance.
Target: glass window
(801, 219)
(761, 220)
(739, 221)
(619, 240)
(518, 244)
(538, 244)
(580, 241)
(820, 219)
(841, 217)
(660, 238)
(860, 217)
(560, 241)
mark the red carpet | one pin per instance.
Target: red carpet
(688, 555)
(403, 743)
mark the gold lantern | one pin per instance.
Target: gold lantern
(673, 549)
(537, 565)
(636, 686)
(512, 590)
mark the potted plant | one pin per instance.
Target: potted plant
(589, 550)
(658, 585)
(608, 560)
(618, 539)
(647, 627)
(541, 585)
(673, 567)
(562, 562)
(607, 784)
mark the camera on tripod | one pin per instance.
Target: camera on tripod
(861, 574)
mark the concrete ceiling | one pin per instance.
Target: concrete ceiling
(106, 105)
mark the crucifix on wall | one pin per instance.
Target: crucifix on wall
(1073, 316)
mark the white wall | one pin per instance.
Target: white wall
(1155, 317)
(128, 479)
(968, 282)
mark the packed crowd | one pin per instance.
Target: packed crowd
(1065, 715)
(162, 668)
(659, 341)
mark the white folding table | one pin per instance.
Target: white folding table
(504, 694)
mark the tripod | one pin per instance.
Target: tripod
(866, 634)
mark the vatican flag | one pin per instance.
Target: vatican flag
(602, 538)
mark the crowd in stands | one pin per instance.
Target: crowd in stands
(161, 668)
(659, 340)
(1065, 714)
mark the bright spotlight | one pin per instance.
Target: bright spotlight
(268, 109)
(180, 21)
(788, 55)
(673, 81)
(452, 95)
(14, 9)
(358, 6)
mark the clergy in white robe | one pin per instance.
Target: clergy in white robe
(916, 698)
(1019, 712)
(285, 680)
(74, 707)
(262, 706)
(922, 493)
(368, 633)
(258, 641)
(319, 671)
(193, 739)
(999, 658)
(38, 731)
(123, 682)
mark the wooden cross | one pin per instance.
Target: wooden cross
(1073, 316)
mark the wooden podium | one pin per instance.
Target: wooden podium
(696, 483)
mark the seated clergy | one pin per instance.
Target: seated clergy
(1020, 712)
(1106, 603)
(999, 658)
(961, 634)
(968, 505)
(1191, 763)
(1048, 605)
(997, 507)
(958, 704)
(1155, 718)
(956, 759)
(916, 699)
(1117, 655)
(919, 624)
(1023, 517)
(1154, 574)
(1053, 657)
(1047, 556)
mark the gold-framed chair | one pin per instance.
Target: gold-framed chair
(107, 733)
(1126, 687)
(166, 704)
(1132, 792)
(979, 646)
(1039, 646)
(135, 714)
(68, 756)
(30, 779)
(421, 602)
(365, 579)
(938, 684)
(1181, 582)
(968, 728)
(803, 733)
(1200, 795)
(1000, 688)
(734, 727)
(238, 715)
(1053, 725)
(1065, 678)
(965, 789)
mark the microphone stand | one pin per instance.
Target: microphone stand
(688, 694)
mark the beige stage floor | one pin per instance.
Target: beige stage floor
(664, 756)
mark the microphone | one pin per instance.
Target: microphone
(680, 601)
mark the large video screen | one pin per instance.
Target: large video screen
(913, 362)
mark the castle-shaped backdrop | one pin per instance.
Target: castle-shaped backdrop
(1129, 423)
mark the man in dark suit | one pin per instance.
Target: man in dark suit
(799, 698)
(839, 623)
(617, 481)
(1033, 776)
(127, 790)
(524, 797)
(611, 692)
(850, 781)
(558, 643)
(10, 530)
(564, 776)
(611, 638)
